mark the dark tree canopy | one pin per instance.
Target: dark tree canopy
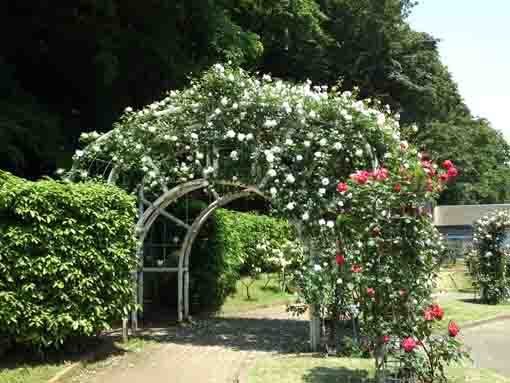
(69, 67)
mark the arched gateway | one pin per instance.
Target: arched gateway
(243, 135)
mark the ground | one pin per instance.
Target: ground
(215, 350)
(256, 344)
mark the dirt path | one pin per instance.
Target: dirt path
(211, 351)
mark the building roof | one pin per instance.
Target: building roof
(463, 215)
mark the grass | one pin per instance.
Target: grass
(465, 310)
(454, 278)
(260, 296)
(312, 369)
(30, 373)
(22, 367)
(468, 311)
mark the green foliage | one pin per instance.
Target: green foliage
(246, 230)
(492, 270)
(481, 154)
(68, 251)
(229, 252)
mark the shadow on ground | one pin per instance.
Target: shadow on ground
(95, 348)
(336, 375)
(244, 334)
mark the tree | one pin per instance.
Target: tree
(482, 155)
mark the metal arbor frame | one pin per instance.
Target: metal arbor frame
(146, 221)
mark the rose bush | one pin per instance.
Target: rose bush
(370, 248)
(491, 271)
(386, 261)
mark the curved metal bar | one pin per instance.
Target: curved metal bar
(151, 214)
(113, 175)
(191, 235)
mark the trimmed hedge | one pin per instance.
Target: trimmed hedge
(66, 256)
(217, 261)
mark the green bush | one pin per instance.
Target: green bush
(227, 242)
(66, 256)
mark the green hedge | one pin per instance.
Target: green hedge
(66, 252)
(230, 241)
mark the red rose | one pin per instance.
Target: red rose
(453, 329)
(356, 268)
(409, 344)
(361, 176)
(342, 187)
(429, 315)
(452, 172)
(397, 187)
(370, 292)
(444, 177)
(447, 164)
(437, 311)
(340, 259)
(386, 339)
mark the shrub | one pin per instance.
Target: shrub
(67, 253)
(492, 271)
(218, 261)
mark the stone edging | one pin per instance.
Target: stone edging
(485, 321)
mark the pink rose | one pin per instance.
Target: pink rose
(361, 176)
(453, 329)
(409, 344)
(447, 164)
(429, 315)
(342, 187)
(340, 259)
(370, 292)
(452, 172)
(382, 174)
(444, 177)
(437, 311)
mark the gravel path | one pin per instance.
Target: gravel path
(211, 351)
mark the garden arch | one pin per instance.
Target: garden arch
(289, 143)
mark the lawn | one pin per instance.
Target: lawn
(465, 311)
(23, 368)
(313, 369)
(454, 278)
(261, 296)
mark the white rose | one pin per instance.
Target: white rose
(231, 134)
(290, 178)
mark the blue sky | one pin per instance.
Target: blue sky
(475, 45)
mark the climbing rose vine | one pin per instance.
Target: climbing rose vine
(491, 270)
(385, 262)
